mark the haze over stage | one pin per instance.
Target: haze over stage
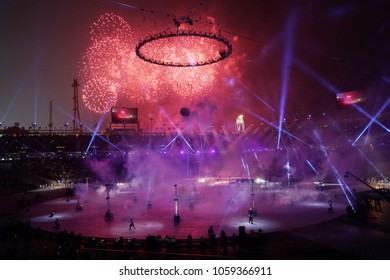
(211, 202)
(240, 105)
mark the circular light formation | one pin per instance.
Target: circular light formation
(112, 73)
(223, 53)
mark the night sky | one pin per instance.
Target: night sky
(308, 50)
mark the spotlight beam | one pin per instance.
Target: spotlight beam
(372, 164)
(274, 126)
(179, 133)
(315, 75)
(339, 180)
(347, 173)
(95, 132)
(312, 167)
(123, 4)
(336, 173)
(38, 152)
(174, 138)
(370, 117)
(255, 95)
(384, 106)
(104, 139)
(287, 58)
(17, 94)
(334, 90)
(91, 130)
(297, 156)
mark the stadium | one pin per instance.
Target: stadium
(192, 135)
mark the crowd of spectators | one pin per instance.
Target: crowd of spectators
(24, 170)
(20, 241)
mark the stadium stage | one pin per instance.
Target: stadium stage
(225, 207)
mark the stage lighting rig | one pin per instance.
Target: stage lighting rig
(181, 32)
(184, 19)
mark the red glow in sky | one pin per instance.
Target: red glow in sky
(111, 70)
(338, 47)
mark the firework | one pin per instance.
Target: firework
(104, 63)
(110, 70)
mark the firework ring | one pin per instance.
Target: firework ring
(163, 35)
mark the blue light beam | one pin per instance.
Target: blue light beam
(287, 57)
(384, 106)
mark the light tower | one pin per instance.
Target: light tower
(50, 117)
(176, 217)
(109, 215)
(240, 124)
(253, 209)
(76, 112)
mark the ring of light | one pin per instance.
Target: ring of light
(164, 35)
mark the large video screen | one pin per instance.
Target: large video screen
(124, 115)
(348, 99)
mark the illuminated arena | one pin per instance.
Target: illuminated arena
(175, 184)
(199, 131)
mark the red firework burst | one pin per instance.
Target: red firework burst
(110, 70)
